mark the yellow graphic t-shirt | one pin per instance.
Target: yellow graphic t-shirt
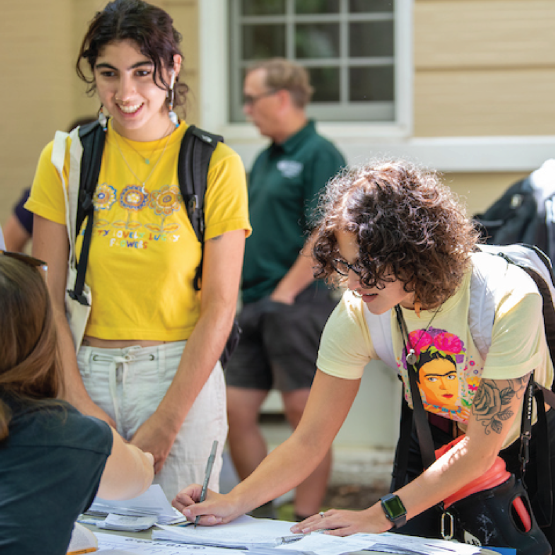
(449, 364)
(144, 252)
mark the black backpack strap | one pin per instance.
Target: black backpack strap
(92, 138)
(400, 465)
(192, 171)
(543, 497)
(421, 423)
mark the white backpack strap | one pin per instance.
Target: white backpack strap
(75, 154)
(71, 192)
(481, 311)
(379, 327)
(58, 161)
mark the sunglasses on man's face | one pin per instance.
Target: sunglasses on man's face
(28, 260)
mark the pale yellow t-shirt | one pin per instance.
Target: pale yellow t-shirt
(144, 252)
(450, 364)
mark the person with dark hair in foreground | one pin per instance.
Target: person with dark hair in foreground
(53, 460)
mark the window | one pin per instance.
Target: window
(348, 47)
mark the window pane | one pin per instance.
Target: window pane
(371, 83)
(370, 6)
(371, 38)
(263, 41)
(317, 6)
(263, 7)
(318, 40)
(325, 81)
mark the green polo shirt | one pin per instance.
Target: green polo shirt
(284, 185)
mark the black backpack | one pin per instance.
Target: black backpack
(195, 153)
(523, 214)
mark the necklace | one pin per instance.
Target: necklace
(143, 183)
(147, 158)
(411, 352)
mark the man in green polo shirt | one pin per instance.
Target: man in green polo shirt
(284, 309)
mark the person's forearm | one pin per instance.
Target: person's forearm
(282, 470)
(73, 389)
(128, 471)
(298, 278)
(202, 350)
(454, 470)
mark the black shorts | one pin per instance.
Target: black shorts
(279, 343)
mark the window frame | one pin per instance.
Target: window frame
(214, 101)
(342, 110)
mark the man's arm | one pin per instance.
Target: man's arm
(298, 278)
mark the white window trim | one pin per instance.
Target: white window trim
(213, 39)
(360, 141)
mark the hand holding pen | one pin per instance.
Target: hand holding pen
(207, 474)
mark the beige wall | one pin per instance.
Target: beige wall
(484, 67)
(39, 42)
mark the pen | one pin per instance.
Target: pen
(209, 466)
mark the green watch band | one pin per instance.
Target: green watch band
(394, 510)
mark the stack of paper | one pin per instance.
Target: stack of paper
(244, 532)
(152, 503)
(262, 536)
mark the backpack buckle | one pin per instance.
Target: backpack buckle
(81, 299)
(192, 203)
(447, 520)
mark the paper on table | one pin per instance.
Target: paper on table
(126, 523)
(412, 545)
(244, 532)
(151, 502)
(82, 540)
(323, 544)
(111, 544)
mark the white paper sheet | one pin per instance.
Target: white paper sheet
(151, 502)
(411, 545)
(244, 532)
(111, 544)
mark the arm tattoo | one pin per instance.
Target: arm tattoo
(490, 403)
(217, 238)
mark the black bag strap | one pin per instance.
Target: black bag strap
(92, 138)
(403, 445)
(192, 169)
(420, 419)
(543, 498)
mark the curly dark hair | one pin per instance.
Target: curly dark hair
(408, 226)
(150, 27)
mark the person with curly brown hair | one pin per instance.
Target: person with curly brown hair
(402, 244)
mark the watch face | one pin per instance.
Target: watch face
(394, 506)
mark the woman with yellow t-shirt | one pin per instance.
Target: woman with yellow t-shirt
(149, 360)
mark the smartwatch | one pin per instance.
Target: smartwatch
(394, 510)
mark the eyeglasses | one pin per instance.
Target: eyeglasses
(249, 99)
(342, 267)
(28, 260)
